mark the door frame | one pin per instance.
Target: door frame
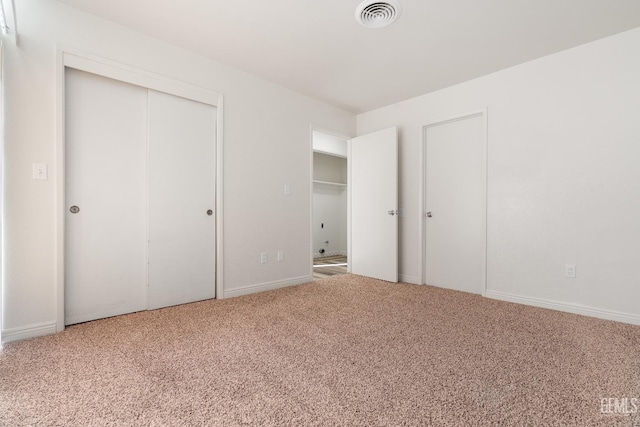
(72, 58)
(422, 186)
(315, 128)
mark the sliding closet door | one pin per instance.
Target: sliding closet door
(181, 200)
(105, 223)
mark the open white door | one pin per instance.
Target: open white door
(374, 205)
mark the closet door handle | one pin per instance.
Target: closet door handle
(209, 212)
(74, 209)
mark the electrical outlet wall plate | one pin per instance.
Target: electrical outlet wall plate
(40, 171)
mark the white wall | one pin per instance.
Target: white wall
(329, 168)
(266, 131)
(563, 174)
(330, 209)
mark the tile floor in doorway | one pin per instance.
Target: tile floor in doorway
(329, 266)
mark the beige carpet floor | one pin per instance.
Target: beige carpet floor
(345, 351)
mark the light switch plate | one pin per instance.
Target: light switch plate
(570, 271)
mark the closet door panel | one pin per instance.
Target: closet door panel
(105, 167)
(181, 200)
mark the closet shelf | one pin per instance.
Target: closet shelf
(336, 184)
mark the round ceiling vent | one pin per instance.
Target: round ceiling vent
(377, 14)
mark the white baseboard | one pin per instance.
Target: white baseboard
(409, 279)
(566, 307)
(251, 289)
(23, 333)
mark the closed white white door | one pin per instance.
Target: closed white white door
(140, 193)
(374, 205)
(455, 205)
(106, 177)
(182, 177)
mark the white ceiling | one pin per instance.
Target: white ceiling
(316, 46)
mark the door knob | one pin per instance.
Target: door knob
(428, 214)
(74, 209)
(209, 212)
(392, 212)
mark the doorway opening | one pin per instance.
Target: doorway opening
(329, 237)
